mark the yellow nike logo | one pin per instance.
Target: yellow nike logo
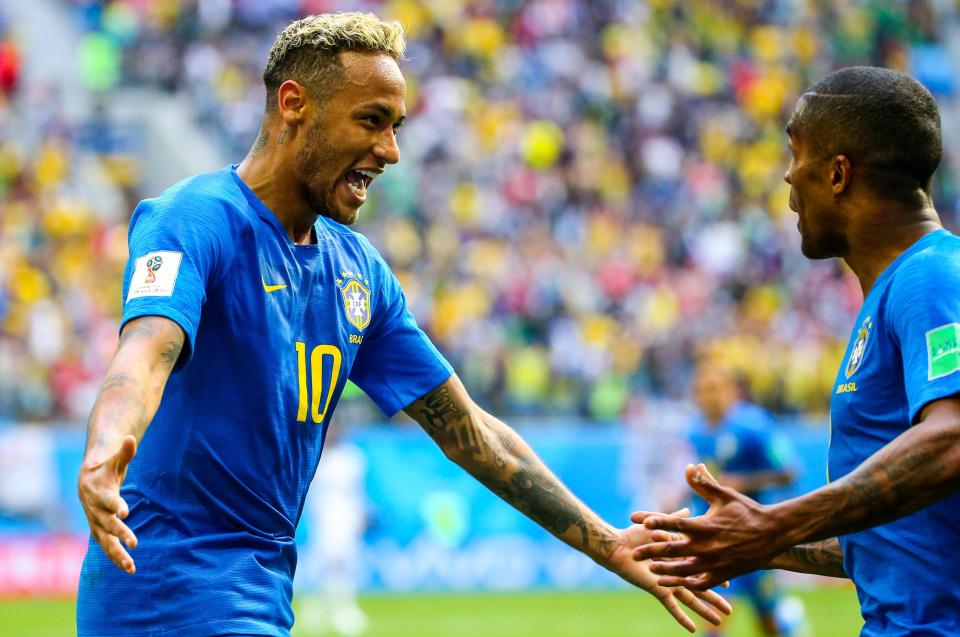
(271, 288)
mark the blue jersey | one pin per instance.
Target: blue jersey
(742, 442)
(903, 354)
(273, 332)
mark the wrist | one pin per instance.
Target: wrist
(793, 525)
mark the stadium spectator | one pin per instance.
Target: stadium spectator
(622, 209)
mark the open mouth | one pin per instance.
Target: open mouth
(358, 180)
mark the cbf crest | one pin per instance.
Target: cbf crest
(356, 298)
(859, 347)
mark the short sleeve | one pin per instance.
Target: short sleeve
(923, 309)
(175, 254)
(397, 364)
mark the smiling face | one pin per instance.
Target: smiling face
(812, 176)
(352, 136)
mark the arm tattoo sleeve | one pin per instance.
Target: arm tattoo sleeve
(504, 463)
(825, 557)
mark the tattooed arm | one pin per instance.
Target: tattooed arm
(127, 401)
(738, 535)
(820, 558)
(499, 458)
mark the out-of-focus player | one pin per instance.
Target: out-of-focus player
(328, 575)
(735, 440)
(248, 303)
(865, 143)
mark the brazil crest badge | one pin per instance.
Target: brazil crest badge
(859, 347)
(356, 299)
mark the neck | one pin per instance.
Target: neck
(266, 173)
(882, 234)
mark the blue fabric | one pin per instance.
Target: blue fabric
(759, 588)
(742, 442)
(907, 572)
(218, 483)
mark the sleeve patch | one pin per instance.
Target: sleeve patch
(943, 351)
(154, 274)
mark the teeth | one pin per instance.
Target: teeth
(369, 174)
(360, 191)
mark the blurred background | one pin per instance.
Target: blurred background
(590, 200)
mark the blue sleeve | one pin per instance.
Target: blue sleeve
(923, 310)
(175, 253)
(397, 364)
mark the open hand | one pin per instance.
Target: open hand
(99, 490)
(736, 536)
(707, 604)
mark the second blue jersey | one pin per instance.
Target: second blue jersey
(902, 355)
(273, 332)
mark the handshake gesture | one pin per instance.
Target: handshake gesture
(736, 536)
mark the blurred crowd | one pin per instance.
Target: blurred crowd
(590, 194)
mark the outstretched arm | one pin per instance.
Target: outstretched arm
(127, 401)
(738, 535)
(494, 454)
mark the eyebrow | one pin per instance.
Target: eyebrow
(386, 113)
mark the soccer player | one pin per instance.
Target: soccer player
(735, 440)
(865, 143)
(247, 304)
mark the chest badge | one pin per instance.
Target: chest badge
(859, 347)
(356, 299)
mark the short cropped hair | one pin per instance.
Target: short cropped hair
(884, 121)
(307, 50)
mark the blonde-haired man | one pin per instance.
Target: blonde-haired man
(248, 303)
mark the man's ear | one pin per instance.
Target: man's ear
(292, 100)
(841, 174)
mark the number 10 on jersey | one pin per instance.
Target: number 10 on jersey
(311, 400)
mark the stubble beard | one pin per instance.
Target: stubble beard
(321, 197)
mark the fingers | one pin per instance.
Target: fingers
(128, 449)
(704, 484)
(701, 582)
(114, 550)
(716, 600)
(706, 475)
(680, 567)
(637, 517)
(659, 550)
(670, 603)
(699, 606)
(666, 536)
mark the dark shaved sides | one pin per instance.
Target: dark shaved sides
(885, 122)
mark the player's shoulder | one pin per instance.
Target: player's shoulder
(353, 243)
(931, 266)
(937, 252)
(750, 419)
(210, 198)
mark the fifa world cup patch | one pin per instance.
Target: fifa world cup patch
(943, 351)
(154, 274)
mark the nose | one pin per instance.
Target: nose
(786, 176)
(387, 149)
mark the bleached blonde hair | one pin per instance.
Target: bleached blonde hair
(307, 50)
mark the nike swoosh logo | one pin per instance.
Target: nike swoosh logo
(271, 288)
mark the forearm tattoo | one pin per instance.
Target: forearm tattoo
(826, 554)
(124, 398)
(915, 470)
(498, 458)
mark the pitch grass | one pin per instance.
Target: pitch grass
(832, 613)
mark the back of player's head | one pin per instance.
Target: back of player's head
(307, 51)
(885, 122)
